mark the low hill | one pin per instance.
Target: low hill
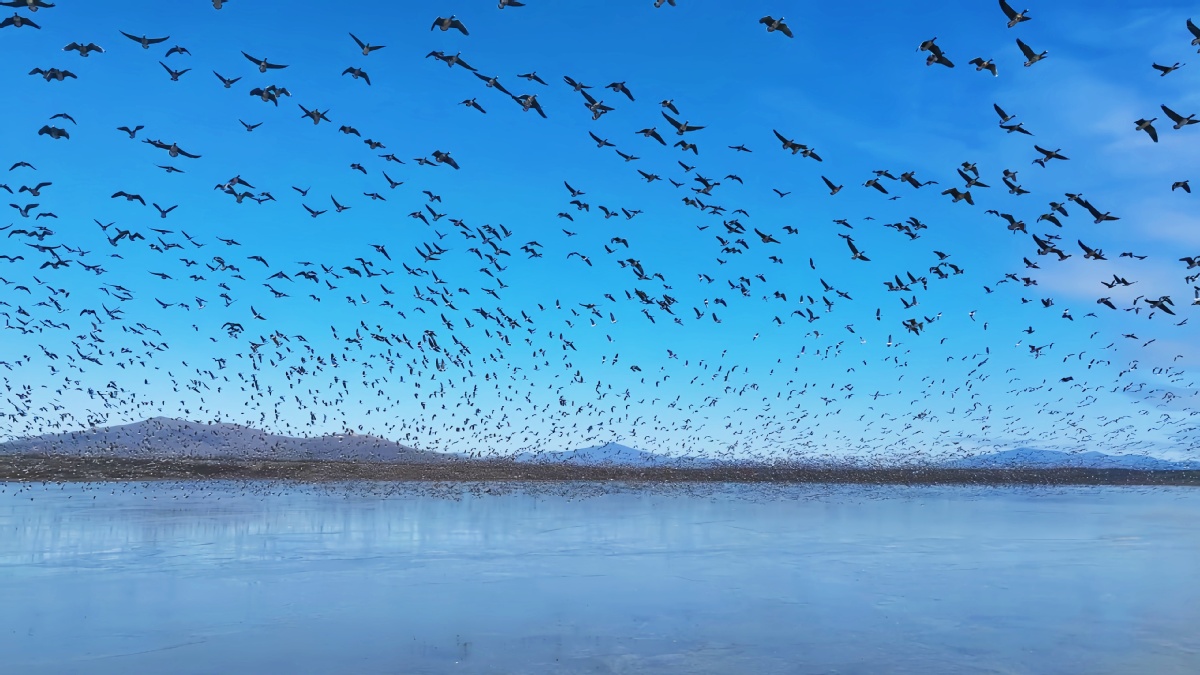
(1033, 458)
(165, 438)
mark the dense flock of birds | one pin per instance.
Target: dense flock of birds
(437, 358)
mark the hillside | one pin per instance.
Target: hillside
(161, 437)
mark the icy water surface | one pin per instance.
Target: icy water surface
(811, 579)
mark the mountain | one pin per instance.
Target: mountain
(612, 454)
(1033, 458)
(162, 437)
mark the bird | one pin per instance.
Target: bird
(620, 88)
(1147, 125)
(773, 25)
(18, 21)
(1031, 57)
(987, 65)
(316, 115)
(144, 41)
(960, 195)
(175, 74)
(1179, 120)
(227, 82)
(492, 83)
(936, 55)
(1181, 185)
(365, 47)
(1163, 71)
(172, 149)
(529, 102)
(53, 74)
(53, 132)
(357, 73)
(83, 49)
(263, 64)
(448, 23)
(681, 127)
(855, 254)
(1014, 17)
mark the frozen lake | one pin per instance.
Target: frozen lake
(221, 578)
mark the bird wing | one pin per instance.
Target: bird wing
(1175, 117)
(1008, 11)
(1029, 53)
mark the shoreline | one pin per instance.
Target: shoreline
(63, 469)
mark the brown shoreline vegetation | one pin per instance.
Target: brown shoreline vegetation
(75, 469)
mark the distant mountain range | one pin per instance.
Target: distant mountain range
(613, 454)
(164, 438)
(1032, 458)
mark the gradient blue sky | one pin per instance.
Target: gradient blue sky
(850, 84)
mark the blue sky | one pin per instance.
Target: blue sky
(850, 84)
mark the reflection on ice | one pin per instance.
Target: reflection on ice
(218, 578)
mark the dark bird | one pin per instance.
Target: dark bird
(1179, 120)
(172, 149)
(53, 132)
(365, 47)
(448, 23)
(773, 25)
(1147, 125)
(1031, 57)
(987, 65)
(444, 158)
(226, 81)
(175, 74)
(316, 115)
(681, 127)
(492, 83)
(54, 74)
(529, 102)
(263, 64)
(935, 53)
(144, 41)
(31, 5)
(83, 50)
(18, 21)
(357, 73)
(1014, 17)
(620, 88)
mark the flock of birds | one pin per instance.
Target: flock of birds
(452, 365)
